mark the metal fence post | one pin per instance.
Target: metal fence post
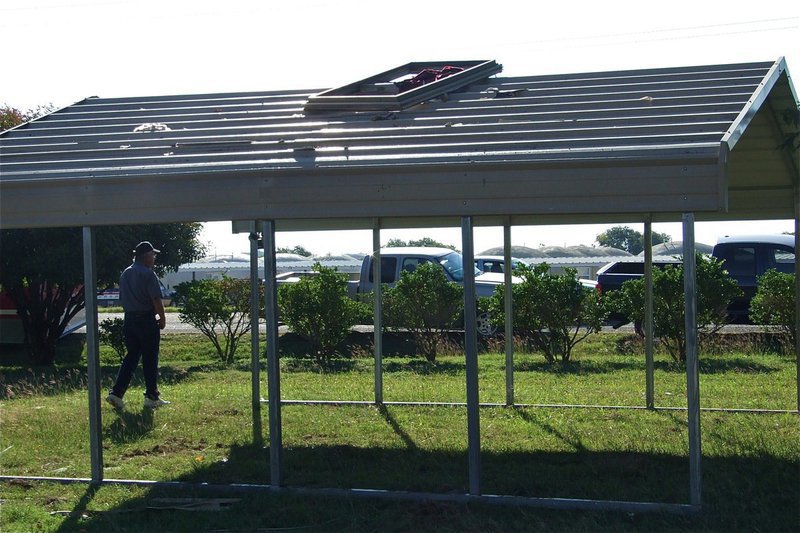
(648, 313)
(797, 289)
(471, 345)
(273, 364)
(255, 351)
(509, 309)
(378, 310)
(692, 366)
(93, 355)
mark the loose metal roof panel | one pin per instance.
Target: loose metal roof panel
(596, 146)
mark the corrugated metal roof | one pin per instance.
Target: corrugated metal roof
(581, 146)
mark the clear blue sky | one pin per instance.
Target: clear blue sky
(58, 51)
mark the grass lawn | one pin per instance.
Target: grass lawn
(751, 462)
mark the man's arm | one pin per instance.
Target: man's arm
(158, 305)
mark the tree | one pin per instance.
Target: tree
(715, 291)
(318, 308)
(42, 270)
(554, 311)
(628, 239)
(299, 250)
(112, 334)
(425, 303)
(424, 242)
(774, 304)
(220, 309)
(11, 116)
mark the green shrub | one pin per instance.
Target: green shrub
(317, 307)
(774, 304)
(220, 309)
(715, 291)
(111, 334)
(426, 304)
(554, 311)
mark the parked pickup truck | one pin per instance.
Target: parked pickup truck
(397, 259)
(745, 258)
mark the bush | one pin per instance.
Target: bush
(111, 334)
(317, 307)
(774, 304)
(715, 291)
(425, 303)
(220, 309)
(554, 311)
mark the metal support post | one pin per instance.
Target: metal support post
(93, 355)
(509, 321)
(273, 364)
(797, 289)
(648, 313)
(255, 351)
(378, 310)
(692, 366)
(471, 345)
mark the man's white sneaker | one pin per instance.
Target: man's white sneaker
(115, 401)
(152, 404)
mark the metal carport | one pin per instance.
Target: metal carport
(689, 143)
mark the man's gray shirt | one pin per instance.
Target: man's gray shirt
(138, 285)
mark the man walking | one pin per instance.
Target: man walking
(140, 296)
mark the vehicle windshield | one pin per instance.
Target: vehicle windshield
(454, 266)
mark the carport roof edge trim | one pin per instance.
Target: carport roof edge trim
(749, 111)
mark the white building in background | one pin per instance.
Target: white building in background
(238, 266)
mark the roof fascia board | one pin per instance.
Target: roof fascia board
(754, 104)
(378, 192)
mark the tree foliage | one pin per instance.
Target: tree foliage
(715, 291)
(11, 116)
(774, 303)
(555, 312)
(112, 335)
(424, 242)
(220, 309)
(426, 304)
(299, 250)
(318, 308)
(42, 271)
(628, 239)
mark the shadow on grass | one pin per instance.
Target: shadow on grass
(576, 367)
(53, 380)
(424, 367)
(130, 426)
(739, 493)
(714, 365)
(75, 519)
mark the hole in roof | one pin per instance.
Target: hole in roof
(404, 86)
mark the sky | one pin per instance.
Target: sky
(59, 52)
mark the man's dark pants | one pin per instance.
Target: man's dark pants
(142, 338)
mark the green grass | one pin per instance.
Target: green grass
(751, 462)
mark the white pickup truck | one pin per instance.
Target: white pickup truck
(397, 259)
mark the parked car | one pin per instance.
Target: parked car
(745, 257)
(494, 263)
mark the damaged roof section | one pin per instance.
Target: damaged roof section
(403, 86)
(704, 139)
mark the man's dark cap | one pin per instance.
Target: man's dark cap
(144, 247)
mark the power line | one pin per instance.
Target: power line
(675, 30)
